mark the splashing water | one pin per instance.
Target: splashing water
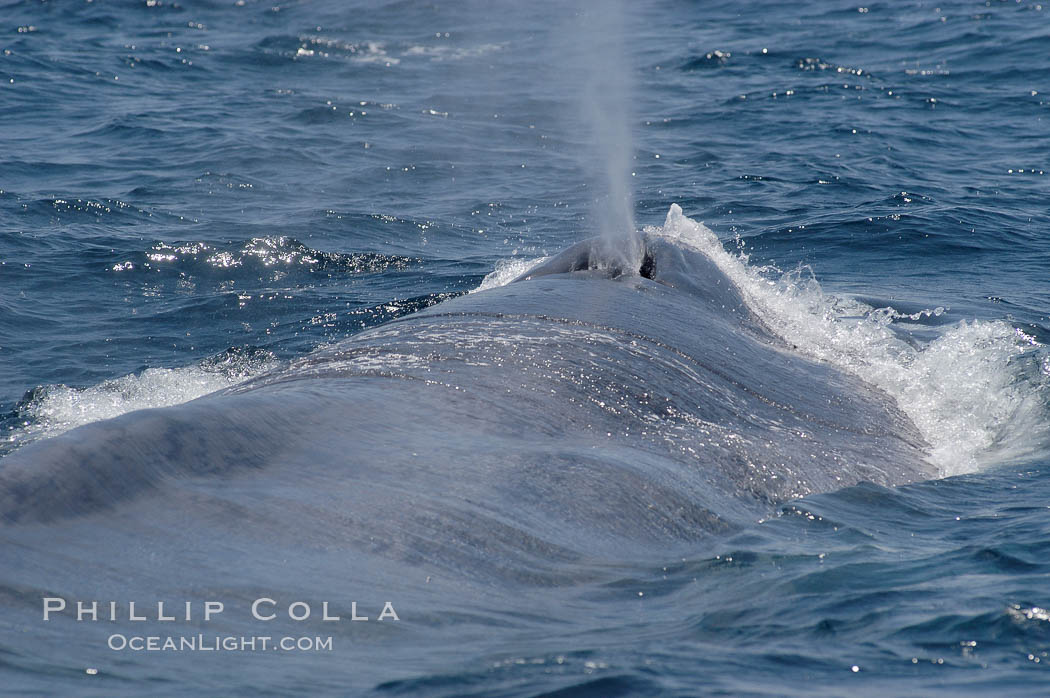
(979, 392)
(49, 411)
(507, 270)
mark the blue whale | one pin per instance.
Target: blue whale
(465, 463)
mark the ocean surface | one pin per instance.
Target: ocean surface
(195, 193)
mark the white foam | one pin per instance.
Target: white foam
(452, 53)
(59, 408)
(976, 392)
(507, 270)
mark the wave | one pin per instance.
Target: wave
(979, 391)
(48, 411)
(507, 270)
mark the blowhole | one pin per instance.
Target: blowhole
(648, 268)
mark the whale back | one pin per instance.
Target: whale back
(614, 407)
(482, 465)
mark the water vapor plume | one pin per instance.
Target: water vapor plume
(605, 78)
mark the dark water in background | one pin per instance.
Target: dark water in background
(190, 192)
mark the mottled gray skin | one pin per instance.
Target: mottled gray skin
(466, 461)
(624, 406)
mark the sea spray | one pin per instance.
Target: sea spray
(48, 411)
(976, 392)
(979, 392)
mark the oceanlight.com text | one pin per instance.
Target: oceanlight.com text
(218, 643)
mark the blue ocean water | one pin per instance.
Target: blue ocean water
(191, 193)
